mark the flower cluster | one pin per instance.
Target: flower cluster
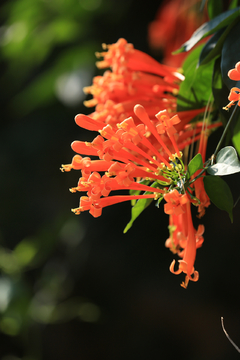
(140, 147)
(133, 77)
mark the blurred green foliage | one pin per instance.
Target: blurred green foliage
(47, 56)
(110, 292)
(44, 40)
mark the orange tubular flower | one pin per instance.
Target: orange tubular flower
(178, 231)
(127, 154)
(175, 202)
(200, 192)
(139, 143)
(189, 239)
(234, 74)
(143, 156)
(134, 78)
(178, 234)
(95, 207)
(233, 97)
(122, 55)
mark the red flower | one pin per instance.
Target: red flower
(200, 192)
(164, 31)
(175, 202)
(144, 157)
(126, 155)
(139, 145)
(201, 195)
(95, 206)
(234, 74)
(134, 78)
(189, 239)
(233, 97)
(122, 55)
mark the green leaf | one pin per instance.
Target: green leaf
(195, 90)
(25, 251)
(210, 28)
(236, 136)
(212, 48)
(226, 162)
(138, 208)
(233, 4)
(137, 192)
(191, 58)
(219, 193)
(230, 54)
(42, 89)
(215, 7)
(220, 90)
(195, 164)
(159, 201)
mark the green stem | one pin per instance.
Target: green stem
(207, 163)
(201, 172)
(224, 132)
(193, 197)
(217, 147)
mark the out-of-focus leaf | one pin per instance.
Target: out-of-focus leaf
(226, 162)
(195, 90)
(219, 193)
(10, 325)
(202, 5)
(63, 30)
(212, 48)
(41, 91)
(233, 4)
(15, 316)
(209, 28)
(230, 54)
(236, 136)
(219, 89)
(51, 313)
(215, 8)
(25, 252)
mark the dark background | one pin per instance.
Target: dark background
(74, 287)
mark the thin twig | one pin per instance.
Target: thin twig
(236, 347)
(225, 130)
(236, 201)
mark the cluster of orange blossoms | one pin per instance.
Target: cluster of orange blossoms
(134, 78)
(139, 146)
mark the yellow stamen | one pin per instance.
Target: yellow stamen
(67, 167)
(76, 211)
(90, 103)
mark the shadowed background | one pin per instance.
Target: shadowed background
(75, 287)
